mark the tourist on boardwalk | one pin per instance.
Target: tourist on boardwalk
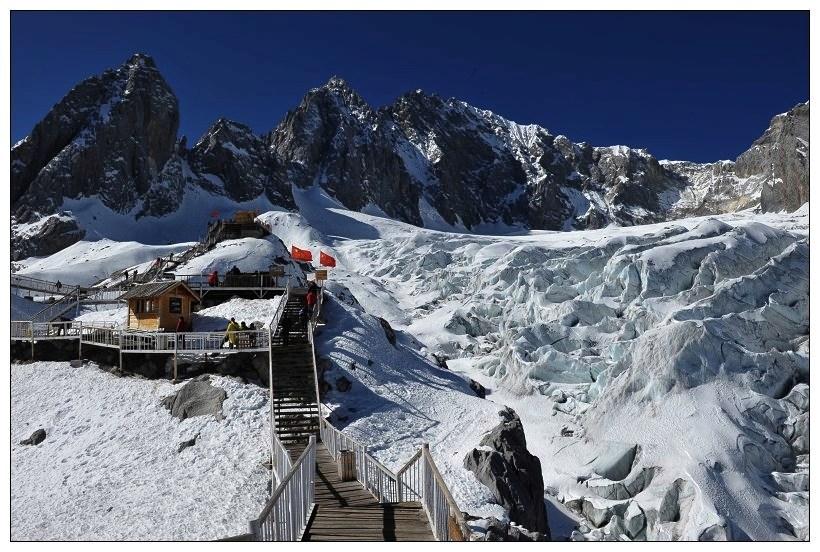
(213, 279)
(235, 271)
(287, 323)
(311, 299)
(242, 340)
(252, 335)
(182, 326)
(230, 333)
(63, 327)
(59, 285)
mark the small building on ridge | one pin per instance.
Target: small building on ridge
(157, 306)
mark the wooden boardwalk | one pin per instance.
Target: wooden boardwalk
(345, 511)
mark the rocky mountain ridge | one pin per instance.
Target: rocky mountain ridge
(423, 160)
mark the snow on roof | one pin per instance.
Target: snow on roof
(155, 289)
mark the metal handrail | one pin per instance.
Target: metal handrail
(281, 463)
(440, 505)
(372, 474)
(53, 310)
(26, 329)
(286, 513)
(46, 286)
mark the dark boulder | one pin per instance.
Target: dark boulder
(189, 443)
(343, 384)
(36, 438)
(388, 331)
(478, 389)
(512, 474)
(197, 398)
(498, 531)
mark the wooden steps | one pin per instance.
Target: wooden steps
(345, 511)
(294, 386)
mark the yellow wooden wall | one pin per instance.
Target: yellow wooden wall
(161, 320)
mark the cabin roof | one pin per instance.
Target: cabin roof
(156, 289)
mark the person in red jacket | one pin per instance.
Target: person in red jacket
(311, 301)
(182, 326)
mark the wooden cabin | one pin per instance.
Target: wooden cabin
(157, 306)
(244, 217)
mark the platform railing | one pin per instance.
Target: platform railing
(288, 510)
(375, 477)
(58, 308)
(417, 481)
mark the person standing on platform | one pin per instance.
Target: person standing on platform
(230, 333)
(182, 327)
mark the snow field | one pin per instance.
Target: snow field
(109, 467)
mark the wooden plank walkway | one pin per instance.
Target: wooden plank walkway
(345, 511)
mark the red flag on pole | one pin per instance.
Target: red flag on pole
(300, 254)
(326, 260)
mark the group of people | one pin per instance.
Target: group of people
(305, 313)
(236, 332)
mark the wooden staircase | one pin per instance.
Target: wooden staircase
(294, 388)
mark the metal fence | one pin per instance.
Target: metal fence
(44, 286)
(373, 476)
(53, 310)
(417, 481)
(420, 480)
(286, 513)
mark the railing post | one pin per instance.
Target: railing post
(119, 348)
(176, 336)
(31, 333)
(253, 528)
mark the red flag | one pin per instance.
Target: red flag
(300, 254)
(326, 260)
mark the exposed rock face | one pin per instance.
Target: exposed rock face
(784, 150)
(109, 137)
(241, 161)
(388, 331)
(511, 473)
(197, 398)
(336, 140)
(423, 160)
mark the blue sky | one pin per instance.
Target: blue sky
(697, 86)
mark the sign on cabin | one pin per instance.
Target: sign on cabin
(321, 275)
(276, 271)
(175, 305)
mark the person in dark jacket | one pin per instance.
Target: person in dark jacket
(287, 324)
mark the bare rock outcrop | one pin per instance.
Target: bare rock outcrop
(503, 463)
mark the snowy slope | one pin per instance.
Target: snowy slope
(669, 359)
(600, 328)
(109, 468)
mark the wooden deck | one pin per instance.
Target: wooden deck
(345, 511)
